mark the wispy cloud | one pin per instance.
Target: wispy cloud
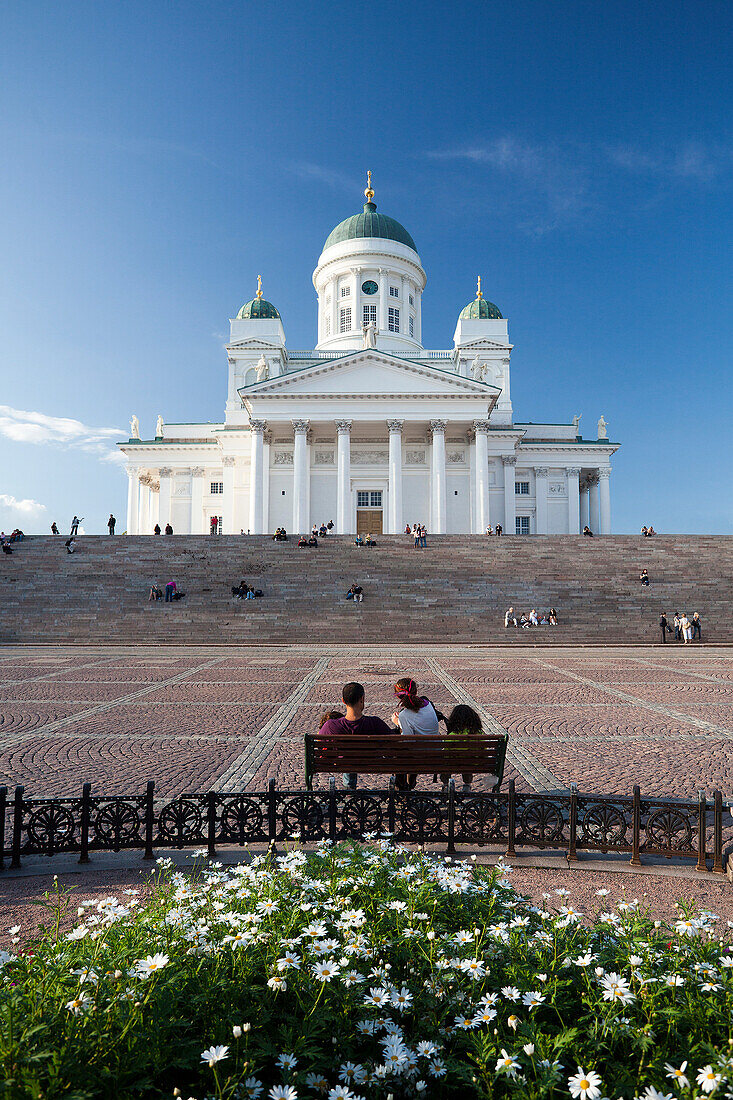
(22, 426)
(549, 183)
(691, 160)
(14, 512)
(331, 177)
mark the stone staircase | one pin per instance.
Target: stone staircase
(455, 590)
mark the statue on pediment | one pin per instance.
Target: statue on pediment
(263, 371)
(602, 426)
(478, 370)
(134, 427)
(159, 428)
(576, 423)
(370, 335)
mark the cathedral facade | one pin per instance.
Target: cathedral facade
(369, 428)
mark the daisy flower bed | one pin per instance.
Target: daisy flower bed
(362, 971)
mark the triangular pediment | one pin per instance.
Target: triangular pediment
(372, 373)
(254, 343)
(483, 344)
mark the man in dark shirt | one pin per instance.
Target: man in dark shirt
(663, 626)
(355, 721)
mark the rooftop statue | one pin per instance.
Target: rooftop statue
(263, 371)
(370, 335)
(159, 428)
(602, 433)
(134, 428)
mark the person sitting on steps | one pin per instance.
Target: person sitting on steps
(302, 541)
(155, 593)
(644, 577)
(355, 593)
(313, 541)
(510, 618)
(369, 541)
(358, 541)
(587, 532)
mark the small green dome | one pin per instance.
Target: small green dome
(256, 310)
(369, 224)
(480, 310)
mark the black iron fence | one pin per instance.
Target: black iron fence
(571, 822)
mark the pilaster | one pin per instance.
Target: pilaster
(572, 475)
(510, 507)
(256, 486)
(395, 476)
(540, 485)
(604, 525)
(164, 505)
(196, 522)
(301, 521)
(481, 428)
(343, 487)
(439, 500)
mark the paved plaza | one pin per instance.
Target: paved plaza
(198, 718)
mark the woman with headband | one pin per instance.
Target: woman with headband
(414, 715)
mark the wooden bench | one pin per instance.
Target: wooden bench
(483, 754)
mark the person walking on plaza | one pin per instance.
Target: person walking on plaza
(696, 631)
(75, 525)
(664, 627)
(111, 524)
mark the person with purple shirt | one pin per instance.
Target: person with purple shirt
(355, 721)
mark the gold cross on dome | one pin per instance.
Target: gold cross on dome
(478, 288)
(259, 286)
(369, 193)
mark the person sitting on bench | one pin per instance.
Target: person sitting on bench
(414, 715)
(356, 722)
(463, 722)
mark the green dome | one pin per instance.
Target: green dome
(369, 224)
(480, 310)
(257, 310)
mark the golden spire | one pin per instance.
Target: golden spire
(259, 286)
(478, 288)
(369, 193)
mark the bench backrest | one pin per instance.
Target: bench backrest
(421, 754)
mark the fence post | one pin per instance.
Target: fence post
(391, 813)
(149, 819)
(451, 815)
(572, 854)
(86, 793)
(636, 829)
(3, 805)
(718, 833)
(511, 819)
(211, 822)
(702, 812)
(272, 814)
(17, 826)
(332, 811)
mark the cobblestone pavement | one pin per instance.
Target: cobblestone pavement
(228, 718)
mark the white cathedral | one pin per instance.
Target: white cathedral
(369, 429)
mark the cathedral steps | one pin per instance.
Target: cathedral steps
(455, 590)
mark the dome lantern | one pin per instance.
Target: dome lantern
(258, 308)
(480, 309)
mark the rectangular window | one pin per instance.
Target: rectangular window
(345, 319)
(369, 498)
(522, 525)
(217, 487)
(375, 498)
(362, 498)
(327, 326)
(412, 300)
(345, 291)
(521, 488)
(412, 326)
(394, 292)
(370, 314)
(394, 319)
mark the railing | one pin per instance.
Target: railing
(315, 354)
(573, 821)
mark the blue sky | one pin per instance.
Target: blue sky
(157, 157)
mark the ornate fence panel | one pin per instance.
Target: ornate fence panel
(568, 823)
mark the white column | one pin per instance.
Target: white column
(142, 526)
(300, 478)
(482, 476)
(133, 500)
(584, 507)
(343, 486)
(573, 474)
(604, 525)
(510, 507)
(164, 499)
(196, 524)
(356, 292)
(593, 518)
(540, 490)
(383, 296)
(439, 491)
(267, 439)
(395, 476)
(227, 507)
(256, 518)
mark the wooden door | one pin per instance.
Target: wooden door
(369, 521)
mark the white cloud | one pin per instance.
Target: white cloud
(14, 512)
(22, 426)
(691, 161)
